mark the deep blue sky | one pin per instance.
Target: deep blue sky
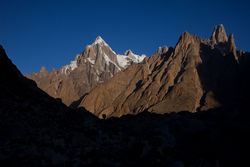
(51, 33)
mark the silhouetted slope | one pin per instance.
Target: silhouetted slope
(31, 121)
(17, 90)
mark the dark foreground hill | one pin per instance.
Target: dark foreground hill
(37, 130)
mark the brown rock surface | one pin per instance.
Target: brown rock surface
(196, 75)
(95, 65)
(232, 46)
(219, 34)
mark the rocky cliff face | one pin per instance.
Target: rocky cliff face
(95, 65)
(219, 35)
(198, 74)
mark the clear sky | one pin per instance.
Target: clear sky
(52, 32)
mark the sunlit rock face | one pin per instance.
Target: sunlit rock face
(198, 74)
(95, 65)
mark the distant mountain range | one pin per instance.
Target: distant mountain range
(97, 64)
(198, 74)
(183, 106)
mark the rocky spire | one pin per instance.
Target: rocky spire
(219, 34)
(161, 50)
(231, 42)
(165, 49)
(43, 70)
(232, 46)
(128, 52)
(53, 71)
(184, 41)
(100, 41)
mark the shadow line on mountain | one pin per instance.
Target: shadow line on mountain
(76, 103)
(220, 76)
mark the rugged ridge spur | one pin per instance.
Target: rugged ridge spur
(198, 74)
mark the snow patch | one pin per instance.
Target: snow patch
(69, 68)
(129, 58)
(123, 61)
(97, 78)
(112, 50)
(91, 61)
(99, 41)
(73, 65)
(108, 61)
(138, 59)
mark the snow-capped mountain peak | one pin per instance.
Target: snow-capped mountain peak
(129, 58)
(128, 52)
(99, 41)
(99, 51)
(95, 65)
